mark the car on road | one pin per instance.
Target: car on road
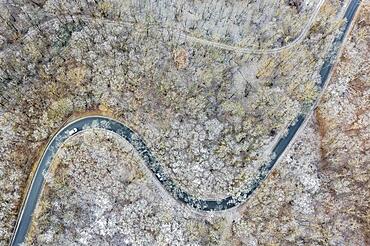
(71, 132)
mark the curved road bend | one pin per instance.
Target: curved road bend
(30, 203)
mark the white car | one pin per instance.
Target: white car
(73, 131)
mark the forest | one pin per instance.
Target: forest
(210, 85)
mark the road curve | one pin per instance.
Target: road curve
(109, 124)
(296, 41)
(35, 189)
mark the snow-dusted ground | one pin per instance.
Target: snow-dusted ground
(165, 88)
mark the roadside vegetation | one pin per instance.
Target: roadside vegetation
(319, 193)
(98, 192)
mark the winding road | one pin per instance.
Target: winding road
(36, 187)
